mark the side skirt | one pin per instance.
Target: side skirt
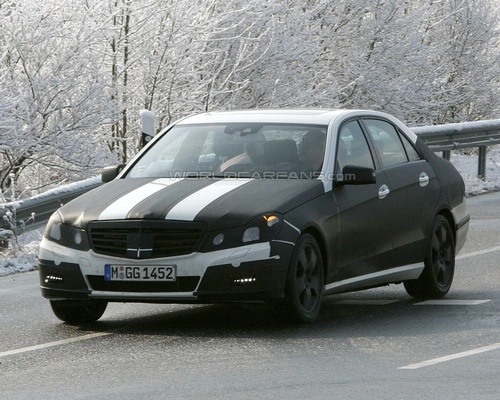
(393, 275)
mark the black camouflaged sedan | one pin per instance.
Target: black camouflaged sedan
(280, 206)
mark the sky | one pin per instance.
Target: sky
(23, 257)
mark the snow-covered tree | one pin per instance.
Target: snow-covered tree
(463, 38)
(55, 94)
(74, 74)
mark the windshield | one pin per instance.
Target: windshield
(235, 150)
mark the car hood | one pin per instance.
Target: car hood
(219, 203)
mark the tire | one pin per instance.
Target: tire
(305, 281)
(78, 312)
(437, 276)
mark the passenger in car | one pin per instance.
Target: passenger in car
(253, 152)
(312, 149)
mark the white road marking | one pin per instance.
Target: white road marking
(382, 302)
(451, 302)
(477, 253)
(439, 360)
(366, 302)
(52, 344)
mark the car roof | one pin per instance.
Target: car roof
(298, 116)
(306, 116)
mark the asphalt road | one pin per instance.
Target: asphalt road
(375, 344)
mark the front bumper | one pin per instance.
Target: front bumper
(247, 273)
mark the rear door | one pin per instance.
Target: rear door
(413, 189)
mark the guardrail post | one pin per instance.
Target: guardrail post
(481, 166)
(12, 178)
(446, 154)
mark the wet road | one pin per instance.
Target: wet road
(375, 344)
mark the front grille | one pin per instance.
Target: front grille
(182, 284)
(144, 239)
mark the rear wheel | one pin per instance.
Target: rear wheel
(305, 281)
(437, 276)
(77, 312)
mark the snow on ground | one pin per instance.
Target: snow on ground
(467, 166)
(22, 254)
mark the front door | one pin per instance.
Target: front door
(363, 211)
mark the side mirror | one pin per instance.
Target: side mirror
(353, 175)
(110, 173)
(147, 126)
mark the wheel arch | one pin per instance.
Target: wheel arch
(449, 217)
(322, 246)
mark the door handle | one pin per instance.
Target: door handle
(423, 179)
(383, 191)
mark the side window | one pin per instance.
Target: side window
(410, 150)
(352, 148)
(388, 142)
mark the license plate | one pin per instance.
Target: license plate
(139, 273)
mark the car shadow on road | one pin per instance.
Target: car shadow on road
(341, 316)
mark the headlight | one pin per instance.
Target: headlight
(55, 232)
(272, 220)
(53, 229)
(251, 234)
(260, 229)
(65, 234)
(218, 239)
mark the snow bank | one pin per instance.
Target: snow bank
(22, 254)
(467, 166)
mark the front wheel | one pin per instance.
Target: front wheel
(305, 280)
(439, 269)
(78, 312)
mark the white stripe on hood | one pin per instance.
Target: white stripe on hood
(120, 208)
(187, 209)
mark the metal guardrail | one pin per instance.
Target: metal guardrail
(445, 138)
(37, 210)
(34, 212)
